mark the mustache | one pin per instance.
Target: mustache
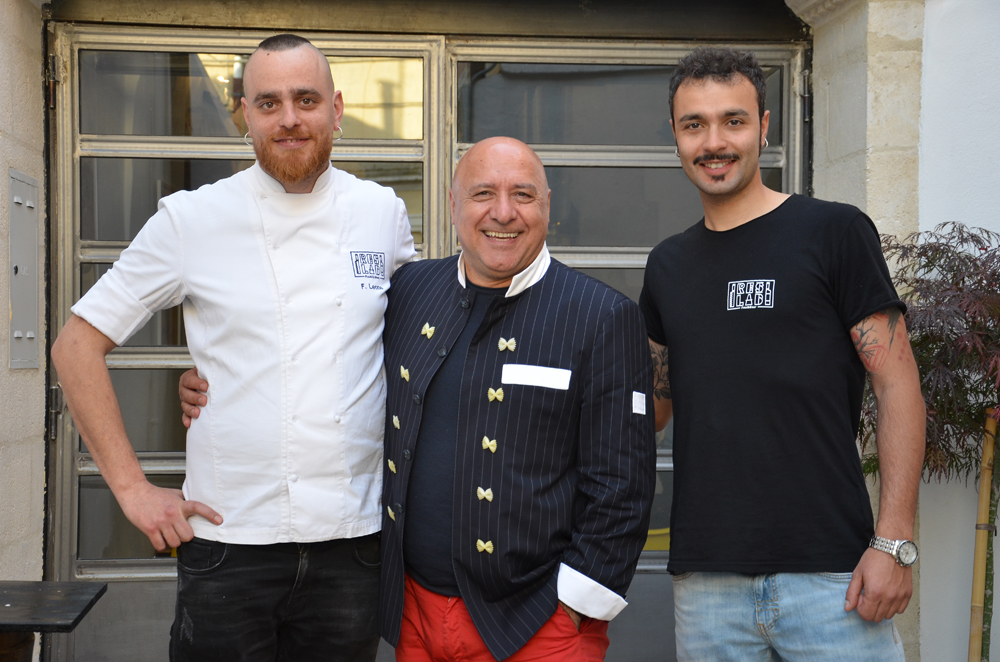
(293, 135)
(716, 157)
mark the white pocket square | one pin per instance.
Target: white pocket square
(536, 375)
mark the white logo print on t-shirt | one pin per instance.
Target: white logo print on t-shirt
(750, 294)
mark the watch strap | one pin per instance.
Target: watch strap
(890, 547)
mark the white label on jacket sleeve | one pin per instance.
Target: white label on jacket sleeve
(536, 375)
(638, 403)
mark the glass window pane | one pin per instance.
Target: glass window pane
(161, 94)
(105, 532)
(619, 206)
(383, 96)
(151, 409)
(406, 179)
(166, 329)
(626, 281)
(199, 94)
(623, 206)
(773, 103)
(577, 104)
(117, 196)
(659, 521)
(574, 104)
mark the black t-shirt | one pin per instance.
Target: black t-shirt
(430, 494)
(767, 385)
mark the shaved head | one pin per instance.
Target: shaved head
(285, 42)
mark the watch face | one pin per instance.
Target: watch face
(907, 553)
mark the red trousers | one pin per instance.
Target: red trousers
(437, 628)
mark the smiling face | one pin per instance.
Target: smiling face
(719, 136)
(292, 110)
(500, 209)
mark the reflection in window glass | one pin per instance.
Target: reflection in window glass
(161, 94)
(406, 179)
(105, 532)
(773, 103)
(659, 521)
(199, 94)
(568, 104)
(619, 206)
(626, 281)
(577, 104)
(151, 409)
(165, 329)
(383, 96)
(624, 206)
(117, 196)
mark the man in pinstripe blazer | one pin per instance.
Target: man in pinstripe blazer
(519, 453)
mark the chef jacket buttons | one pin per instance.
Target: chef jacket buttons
(406, 454)
(442, 352)
(399, 507)
(464, 303)
(416, 399)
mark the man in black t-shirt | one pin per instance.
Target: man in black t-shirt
(763, 320)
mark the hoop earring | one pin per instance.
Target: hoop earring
(677, 153)
(765, 144)
(248, 142)
(341, 129)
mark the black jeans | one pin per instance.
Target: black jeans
(276, 603)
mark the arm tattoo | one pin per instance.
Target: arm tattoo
(661, 373)
(868, 345)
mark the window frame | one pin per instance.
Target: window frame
(438, 152)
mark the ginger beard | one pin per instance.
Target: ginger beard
(294, 166)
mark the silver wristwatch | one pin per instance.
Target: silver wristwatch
(904, 551)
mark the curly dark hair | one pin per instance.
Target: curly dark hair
(721, 65)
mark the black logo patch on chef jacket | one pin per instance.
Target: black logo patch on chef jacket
(368, 265)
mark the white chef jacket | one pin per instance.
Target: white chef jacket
(283, 299)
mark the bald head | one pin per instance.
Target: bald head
(500, 209)
(309, 58)
(500, 150)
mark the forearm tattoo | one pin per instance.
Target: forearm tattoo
(661, 373)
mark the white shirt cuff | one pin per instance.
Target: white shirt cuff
(582, 594)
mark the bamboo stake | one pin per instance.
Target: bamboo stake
(983, 530)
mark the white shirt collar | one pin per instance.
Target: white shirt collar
(272, 185)
(522, 281)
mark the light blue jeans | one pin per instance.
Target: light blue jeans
(787, 617)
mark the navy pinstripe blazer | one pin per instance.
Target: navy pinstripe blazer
(573, 472)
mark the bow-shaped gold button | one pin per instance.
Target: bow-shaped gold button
(510, 345)
(395, 422)
(490, 444)
(404, 373)
(482, 546)
(484, 494)
(495, 395)
(392, 466)
(428, 330)
(392, 515)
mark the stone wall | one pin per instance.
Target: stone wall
(22, 392)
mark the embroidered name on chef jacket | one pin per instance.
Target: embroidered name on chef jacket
(750, 294)
(368, 265)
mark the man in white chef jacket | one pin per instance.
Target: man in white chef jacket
(282, 271)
